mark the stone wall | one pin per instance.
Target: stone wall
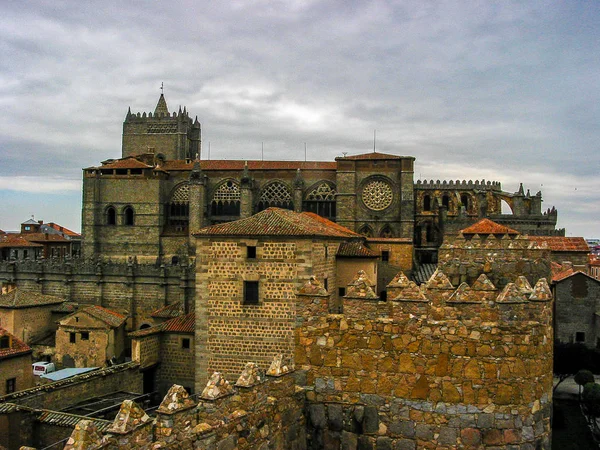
(28, 323)
(177, 363)
(18, 367)
(444, 371)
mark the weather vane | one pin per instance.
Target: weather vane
(162, 88)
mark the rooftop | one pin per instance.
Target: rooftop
(356, 249)
(279, 222)
(487, 226)
(169, 311)
(16, 347)
(111, 318)
(181, 324)
(19, 298)
(372, 156)
(561, 243)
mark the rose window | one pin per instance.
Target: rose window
(377, 195)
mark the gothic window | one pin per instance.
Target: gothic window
(178, 209)
(275, 194)
(128, 216)
(226, 200)
(321, 201)
(366, 231)
(377, 195)
(446, 201)
(386, 232)
(111, 216)
(465, 200)
(427, 203)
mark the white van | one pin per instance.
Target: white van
(43, 367)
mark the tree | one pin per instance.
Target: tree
(591, 399)
(582, 378)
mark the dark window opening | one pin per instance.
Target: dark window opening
(427, 203)
(4, 342)
(85, 336)
(11, 385)
(251, 252)
(225, 208)
(185, 343)
(175, 260)
(386, 232)
(250, 292)
(385, 255)
(121, 171)
(464, 199)
(144, 326)
(579, 288)
(135, 171)
(579, 336)
(323, 208)
(446, 201)
(179, 214)
(111, 216)
(341, 291)
(128, 219)
(326, 252)
(326, 284)
(72, 338)
(383, 295)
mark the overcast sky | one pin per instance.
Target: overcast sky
(506, 91)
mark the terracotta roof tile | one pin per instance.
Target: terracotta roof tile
(180, 324)
(111, 318)
(487, 226)
(15, 240)
(172, 310)
(44, 237)
(565, 275)
(561, 243)
(279, 222)
(371, 156)
(356, 250)
(63, 229)
(223, 164)
(17, 346)
(19, 298)
(131, 162)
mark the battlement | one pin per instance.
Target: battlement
(458, 185)
(143, 117)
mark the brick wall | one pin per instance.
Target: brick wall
(18, 367)
(177, 363)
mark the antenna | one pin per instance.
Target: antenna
(344, 153)
(305, 152)
(209, 150)
(374, 139)
(262, 151)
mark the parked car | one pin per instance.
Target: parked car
(43, 367)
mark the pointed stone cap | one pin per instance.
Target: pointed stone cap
(216, 387)
(483, 283)
(250, 376)
(130, 416)
(399, 281)
(439, 280)
(279, 366)
(464, 294)
(360, 287)
(85, 436)
(312, 287)
(411, 293)
(524, 285)
(161, 106)
(511, 294)
(541, 291)
(196, 173)
(176, 399)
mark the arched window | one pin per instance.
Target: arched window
(446, 201)
(128, 216)
(178, 209)
(226, 200)
(275, 194)
(321, 200)
(465, 200)
(366, 230)
(386, 232)
(427, 203)
(111, 216)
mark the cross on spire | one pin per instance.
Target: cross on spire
(162, 88)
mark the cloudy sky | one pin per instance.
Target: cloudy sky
(506, 91)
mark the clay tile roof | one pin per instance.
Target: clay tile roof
(126, 163)
(356, 250)
(17, 346)
(18, 298)
(44, 237)
(279, 222)
(15, 240)
(111, 318)
(370, 156)
(169, 311)
(63, 229)
(223, 164)
(487, 226)
(561, 243)
(569, 273)
(180, 324)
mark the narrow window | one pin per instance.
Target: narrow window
(446, 201)
(250, 292)
(385, 255)
(580, 336)
(185, 343)
(251, 252)
(11, 385)
(4, 342)
(72, 338)
(341, 291)
(427, 203)
(111, 216)
(383, 296)
(85, 336)
(128, 219)
(326, 284)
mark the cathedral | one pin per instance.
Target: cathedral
(148, 203)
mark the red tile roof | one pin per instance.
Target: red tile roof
(15, 240)
(111, 318)
(166, 312)
(44, 237)
(279, 222)
(371, 156)
(223, 164)
(561, 243)
(487, 226)
(19, 298)
(180, 324)
(356, 250)
(566, 275)
(17, 346)
(63, 229)
(131, 162)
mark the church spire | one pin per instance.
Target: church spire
(161, 106)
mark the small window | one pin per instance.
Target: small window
(85, 336)
(250, 292)
(385, 256)
(427, 203)
(580, 336)
(383, 296)
(185, 343)
(326, 284)
(111, 216)
(446, 201)
(342, 291)
(27, 228)
(326, 252)
(5, 342)
(128, 216)
(11, 385)
(72, 338)
(251, 252)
